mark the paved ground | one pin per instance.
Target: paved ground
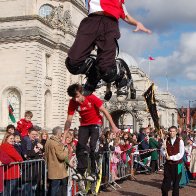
(147, 185)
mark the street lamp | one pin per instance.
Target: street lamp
(190, 101)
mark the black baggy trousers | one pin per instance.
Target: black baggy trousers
(99, 30)
(171, 176)
(87, 147)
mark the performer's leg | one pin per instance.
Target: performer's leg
(176, 180)
(84, 43)
(81, 148)
(167, 180)
(94, 146)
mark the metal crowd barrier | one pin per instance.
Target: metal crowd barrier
(124, 170)
(27, 178)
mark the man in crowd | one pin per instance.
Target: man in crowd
(173, 150)
(31, 151)
(56, 156)
(89, 108)
(143, 140)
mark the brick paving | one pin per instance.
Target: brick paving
(147, 185)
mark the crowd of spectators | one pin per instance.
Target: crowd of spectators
(27, 142)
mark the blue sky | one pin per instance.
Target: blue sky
(172, 44)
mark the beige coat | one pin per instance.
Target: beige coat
(55, 155)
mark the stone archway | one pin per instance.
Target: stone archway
(123, 119)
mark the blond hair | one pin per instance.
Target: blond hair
(6, 136)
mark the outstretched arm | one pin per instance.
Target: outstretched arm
(109, 118)
(139, 26)
(67, 127)
(68, 123)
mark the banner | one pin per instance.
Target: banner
(151, 103)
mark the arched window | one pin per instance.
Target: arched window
(11, 96)
(45, 10)
(47, 108)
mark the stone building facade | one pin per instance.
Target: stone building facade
(35, 36)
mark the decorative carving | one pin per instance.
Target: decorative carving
(59, 19)
(114, 106)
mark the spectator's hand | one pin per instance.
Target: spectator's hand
(72, 163)
(167, 157)
(40, 146)
(36, 149)
(0, 163)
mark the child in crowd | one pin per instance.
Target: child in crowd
(69, 144)
(17, 145)
(115, 159)
(43, 138)
(23, 126)
(125, 145)
(71, 147)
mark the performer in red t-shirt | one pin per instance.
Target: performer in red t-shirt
(89, 108)
(100, 29)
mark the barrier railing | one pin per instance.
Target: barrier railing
(26, 178)
(125, 169)
(30, 177)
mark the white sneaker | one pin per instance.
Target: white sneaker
(77, 176)
(91, 178)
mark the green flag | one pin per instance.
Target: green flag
(11, 115)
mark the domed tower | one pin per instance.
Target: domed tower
(35, 36)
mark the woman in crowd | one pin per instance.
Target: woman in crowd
(4, 159)
(12, 172)
(153, 144)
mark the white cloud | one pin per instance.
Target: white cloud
(169, 20)
(180, 62)
(136, 43)
(183, 94)
(162, 14)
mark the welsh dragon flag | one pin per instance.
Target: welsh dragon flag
(11, 110)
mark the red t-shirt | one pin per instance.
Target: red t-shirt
(115, 8)
(88, 110)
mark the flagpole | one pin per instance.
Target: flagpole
(167, 87)
(149, 67)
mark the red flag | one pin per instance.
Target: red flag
(188, 116)
(151, 58)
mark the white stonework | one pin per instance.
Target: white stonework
(33, 50)
(33, 76)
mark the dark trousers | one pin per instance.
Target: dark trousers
(171, 176)
(58, 187)
(102, 31)
(11, 187)
(82, 149)
(154, 165)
